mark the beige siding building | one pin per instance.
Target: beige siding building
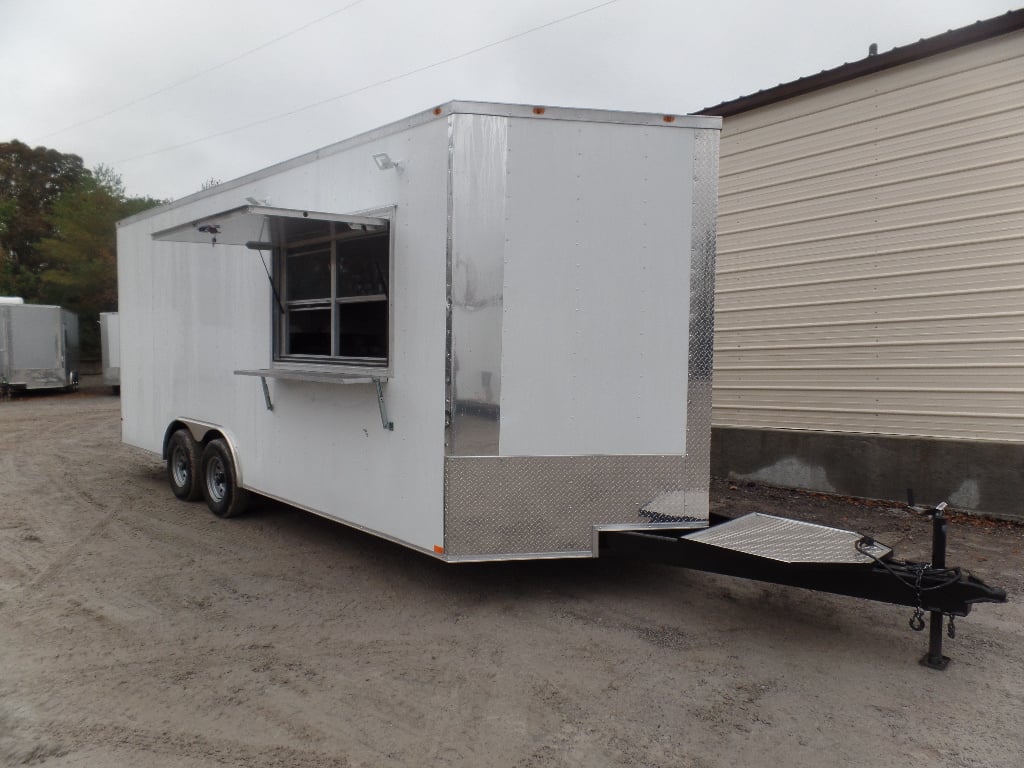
(870, 281)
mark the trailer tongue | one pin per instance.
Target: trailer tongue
(800, 554)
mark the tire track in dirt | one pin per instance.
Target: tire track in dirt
(64, 559)
(51, 488)
(217, 751)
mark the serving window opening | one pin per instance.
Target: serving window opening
(334, 282)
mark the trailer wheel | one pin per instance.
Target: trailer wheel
(222, 494)
(183, 466)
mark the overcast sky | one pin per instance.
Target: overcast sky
(173, 93)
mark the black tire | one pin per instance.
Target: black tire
(183, 466)
(218, 481)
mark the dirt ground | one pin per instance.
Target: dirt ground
(137, 630)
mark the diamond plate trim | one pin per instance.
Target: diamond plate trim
(788, 541)
(507, 506)
(702, 320)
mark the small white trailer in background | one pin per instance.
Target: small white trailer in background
(110, 349)
(484, 332)
(38, 346)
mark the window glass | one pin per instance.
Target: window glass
(363, 266)
(308, 273)
(363, 329)
(309, 331)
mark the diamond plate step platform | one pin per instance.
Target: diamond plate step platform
(788, 541)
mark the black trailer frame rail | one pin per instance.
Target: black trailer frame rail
(925, 587)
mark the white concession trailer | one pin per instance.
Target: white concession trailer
(38, 346)
(484, 332)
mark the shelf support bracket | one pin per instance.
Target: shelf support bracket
(266, 393)
(384, 422)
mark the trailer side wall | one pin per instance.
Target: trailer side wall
(193, 314)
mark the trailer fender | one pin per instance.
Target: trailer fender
(203, 432)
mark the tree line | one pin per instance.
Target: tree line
(58, 239)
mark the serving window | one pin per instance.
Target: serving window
(334, 283)
(331, 279)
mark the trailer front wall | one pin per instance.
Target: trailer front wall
(597, 268)
(193, 314)
(36, 343)
(38, 346)
(574, 376)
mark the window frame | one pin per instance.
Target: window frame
(282, 306)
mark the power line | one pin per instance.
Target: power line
(363, 88)
(206, 71)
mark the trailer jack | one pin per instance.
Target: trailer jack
(798, 554)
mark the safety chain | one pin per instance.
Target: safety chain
(917, 620)
(918, 569)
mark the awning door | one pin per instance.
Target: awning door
(251, 225)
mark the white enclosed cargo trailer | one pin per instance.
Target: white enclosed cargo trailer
(110, 349)
(38, 346)
(483, 332)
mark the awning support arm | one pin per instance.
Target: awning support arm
(277, 296)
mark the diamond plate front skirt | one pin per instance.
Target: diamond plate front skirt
(500, 507)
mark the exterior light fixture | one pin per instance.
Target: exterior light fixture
(384, 161)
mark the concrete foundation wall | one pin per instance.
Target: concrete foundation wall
(980, 476)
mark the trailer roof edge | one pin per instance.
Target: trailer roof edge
(456, 107)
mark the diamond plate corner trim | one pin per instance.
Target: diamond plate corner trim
(702, 321)
(500, 507)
